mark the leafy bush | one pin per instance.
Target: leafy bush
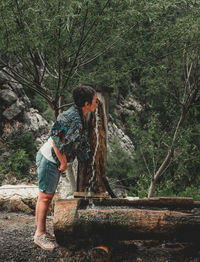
(120, 167)
(191, 191)
(24, 141)
(17, 164)
(48, 115)
(20, 153)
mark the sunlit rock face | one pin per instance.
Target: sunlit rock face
(117, 128)
(115, 133)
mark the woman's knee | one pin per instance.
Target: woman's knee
(45, 197)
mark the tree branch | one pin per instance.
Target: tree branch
(78, 50)
(22, 80)
(65, 105)
(59, 58)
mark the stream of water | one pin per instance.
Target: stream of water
(92, 179)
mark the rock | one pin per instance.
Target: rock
(23, 197)
(18, 192)
(5, 85)
(64, 187)
(8, 96)
(18, 88)
(124, 141)
(14, 110)
(26, 101)
(132, 198)
(15, 206)
(18, 198)
(40, 141)
(125, 108)
(133, 103)
(34, 122)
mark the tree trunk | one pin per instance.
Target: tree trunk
(159, 172)
(92, 174)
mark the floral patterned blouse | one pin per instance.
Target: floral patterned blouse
(70, 135)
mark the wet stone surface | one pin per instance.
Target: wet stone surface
(16, 244)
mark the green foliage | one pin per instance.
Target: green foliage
(120, 166)
(59, 43)
(17, 164)
(169, 189)
(37, 101)
(21, 150)
(165, 45)
(25, 142)
(48, 114)
(191, 191)
(152, 138)
(40, 104)
(122, 169)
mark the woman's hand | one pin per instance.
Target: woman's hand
(62, 159)
(63, 167)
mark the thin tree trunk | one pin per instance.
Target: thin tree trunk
(159, 172)
(165, 163)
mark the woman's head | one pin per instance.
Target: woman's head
(85, 97)
(82, 94)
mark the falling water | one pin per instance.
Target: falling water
(91, 181)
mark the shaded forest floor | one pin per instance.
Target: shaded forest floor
(16, 245)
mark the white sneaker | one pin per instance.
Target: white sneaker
(44, 242)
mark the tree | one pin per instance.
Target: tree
(168, 85)
(191, 89)
(50, 46)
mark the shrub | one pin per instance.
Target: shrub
(17, 164)
(191, 191)
(20, 153)
(120, 166)
(25, 141)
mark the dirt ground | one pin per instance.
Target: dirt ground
(16, 245)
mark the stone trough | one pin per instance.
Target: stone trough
(103, 221)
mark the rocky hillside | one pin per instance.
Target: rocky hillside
(16, 111)
(20, 126)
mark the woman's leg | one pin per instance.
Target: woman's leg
(42, 206)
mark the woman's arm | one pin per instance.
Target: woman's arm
(61, 157)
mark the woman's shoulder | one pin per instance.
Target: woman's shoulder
(72, 114)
